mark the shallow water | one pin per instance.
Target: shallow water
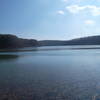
(50, 74)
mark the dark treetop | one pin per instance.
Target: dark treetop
(12, 41)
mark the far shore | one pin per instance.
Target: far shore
(47, 48)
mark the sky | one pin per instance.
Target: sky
(50, 19)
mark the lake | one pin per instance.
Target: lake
(51, 73)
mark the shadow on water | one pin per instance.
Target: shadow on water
(11, 54)
(20, 49)
(8, 57)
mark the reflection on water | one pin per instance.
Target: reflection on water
(8, 57)
(19, 49)
(50, 75)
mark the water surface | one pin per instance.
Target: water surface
(50, 73)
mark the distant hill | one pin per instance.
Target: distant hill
(90, 40)
(11, 41)
(51, 43)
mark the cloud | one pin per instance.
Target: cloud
(75, 8)
(92, 9)
(65, 0)
(89, 22)
(61, 12)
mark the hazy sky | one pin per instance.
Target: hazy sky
(50, 19)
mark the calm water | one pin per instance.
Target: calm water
(50, 73)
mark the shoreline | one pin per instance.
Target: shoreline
(49, 48)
